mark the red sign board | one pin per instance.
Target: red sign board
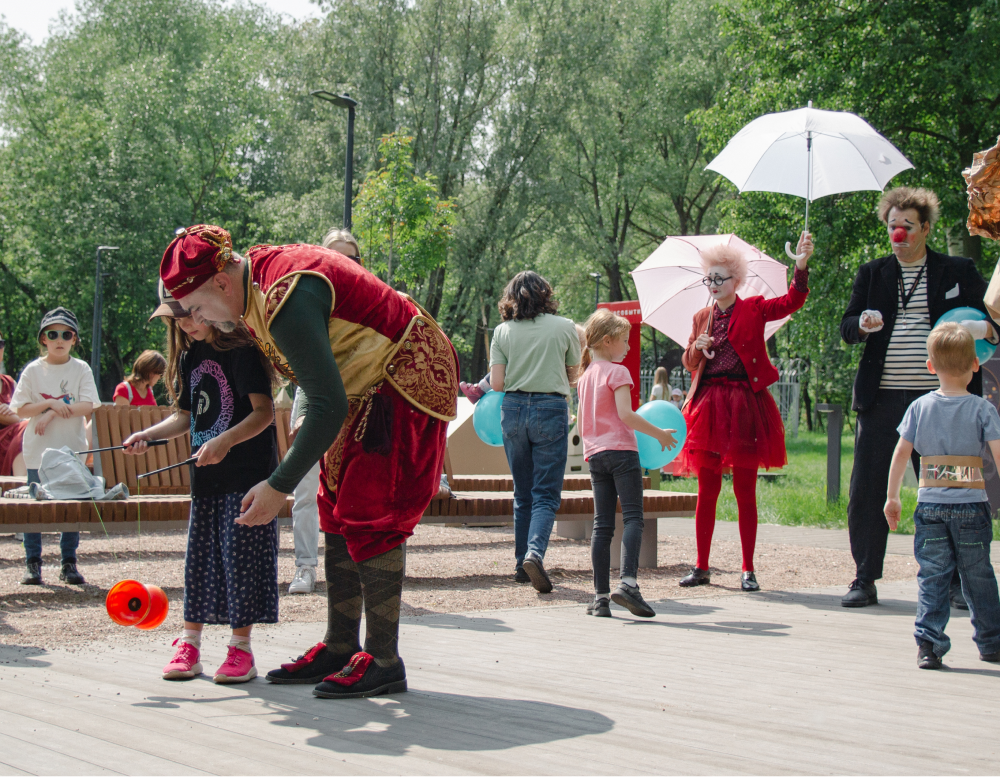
(630, 310)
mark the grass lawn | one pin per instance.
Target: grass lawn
(799, 498)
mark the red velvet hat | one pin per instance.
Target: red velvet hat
(194, 256)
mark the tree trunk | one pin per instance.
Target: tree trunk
(972, 247)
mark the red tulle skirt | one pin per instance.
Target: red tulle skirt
(730, 425)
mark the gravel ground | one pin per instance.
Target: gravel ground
(448, 570)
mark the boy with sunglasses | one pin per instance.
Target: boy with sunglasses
(57, 393)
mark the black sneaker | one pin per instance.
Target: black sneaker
(536, 571)
(749, 582)
(600, 607)
(926, 657)
(993, 658)
(520, 576)
(309, 668)
(958, 601)
(70, 574)
(361, 678)
(628, 596)
(33, 575)
(860, 594)
(696, 577)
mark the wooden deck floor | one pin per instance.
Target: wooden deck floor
(764, 684)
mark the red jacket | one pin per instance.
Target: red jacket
(746, 333)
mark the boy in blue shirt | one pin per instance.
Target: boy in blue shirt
(953, 524)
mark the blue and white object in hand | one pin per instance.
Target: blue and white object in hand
(486, 418)
(662, 415)
(984, 348)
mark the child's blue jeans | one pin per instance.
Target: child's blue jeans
(68, 543)
(949, 536)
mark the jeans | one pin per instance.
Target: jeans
(615, 475)
(535, 438)
(305, 519)
(874, 442)
(950, 535)
(68, 543)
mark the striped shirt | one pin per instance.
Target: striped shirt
(906, 358)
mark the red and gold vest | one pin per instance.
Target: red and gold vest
(375, 332)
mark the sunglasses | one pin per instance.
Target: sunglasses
(715, 280)
(355, 258)
(53, 335)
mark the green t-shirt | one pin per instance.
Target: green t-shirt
(536, 353)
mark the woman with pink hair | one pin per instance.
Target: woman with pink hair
(732, 421)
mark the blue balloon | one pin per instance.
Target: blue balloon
(662, 415)
(486, 418)
(984, 348)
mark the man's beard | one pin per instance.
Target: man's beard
(222, 326)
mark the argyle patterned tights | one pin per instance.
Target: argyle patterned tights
(376, 584)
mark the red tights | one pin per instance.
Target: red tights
(745, 488)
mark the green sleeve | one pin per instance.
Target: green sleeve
(300, 332)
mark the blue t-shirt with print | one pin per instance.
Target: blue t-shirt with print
(950, 426)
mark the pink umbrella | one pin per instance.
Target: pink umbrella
(670, 288)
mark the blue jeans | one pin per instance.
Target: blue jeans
(68, 543)
(950, 535)
(535, 439)
(615, 475)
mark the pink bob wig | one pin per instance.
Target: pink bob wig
(728, 257)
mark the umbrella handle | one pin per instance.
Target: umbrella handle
(792, 255)
(708, 354)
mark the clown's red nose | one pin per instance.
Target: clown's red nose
(898, 235)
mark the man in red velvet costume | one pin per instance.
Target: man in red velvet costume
(380, 380)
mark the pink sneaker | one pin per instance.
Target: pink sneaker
(472, 391)
(237, 668)
(184, 665)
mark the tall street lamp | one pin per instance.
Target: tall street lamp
(597, 288)
(95, 348)
(344, 101)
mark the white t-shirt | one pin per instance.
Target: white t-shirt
(71, 382)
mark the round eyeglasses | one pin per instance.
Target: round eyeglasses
(52, 334)
(715, 280)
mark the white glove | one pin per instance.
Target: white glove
(980, 330)
(871, 321)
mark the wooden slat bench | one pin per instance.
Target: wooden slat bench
(506, 483)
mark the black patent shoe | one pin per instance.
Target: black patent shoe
(696, 577)
(361, 678)
(70, 574)
(926, 657)
(33, 573)
(600, 608)
(749, 582)
(535, 569)
(520, 576)
(860, 594)
(309, 668)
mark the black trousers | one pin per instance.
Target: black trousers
(875, 439)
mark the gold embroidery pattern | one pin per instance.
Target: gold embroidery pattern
(274, 356)
(423, 368)
(334, 457)
(276, 294)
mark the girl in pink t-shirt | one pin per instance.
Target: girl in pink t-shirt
(607, 425)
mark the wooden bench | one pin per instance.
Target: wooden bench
(506, 483)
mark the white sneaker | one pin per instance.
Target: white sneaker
(304, 581)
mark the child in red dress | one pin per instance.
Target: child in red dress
(732, 420)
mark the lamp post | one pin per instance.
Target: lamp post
(597, 288)
(344, 101)
(95, 347)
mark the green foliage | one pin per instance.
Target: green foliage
(403, 227)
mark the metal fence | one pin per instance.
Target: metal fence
(786, 392)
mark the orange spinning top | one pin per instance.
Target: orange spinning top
(130, 603)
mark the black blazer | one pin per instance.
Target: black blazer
(952, 282)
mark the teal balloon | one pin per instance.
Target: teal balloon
(486, 418)
(662, 415)
(984, 348)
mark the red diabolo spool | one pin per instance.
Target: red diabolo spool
(899, 235)
(130, 603)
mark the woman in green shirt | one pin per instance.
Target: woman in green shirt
(532, 351)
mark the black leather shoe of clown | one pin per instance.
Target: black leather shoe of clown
(309, 668)
(362, 677)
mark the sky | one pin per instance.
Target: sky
(33, 17)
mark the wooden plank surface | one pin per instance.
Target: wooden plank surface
(771, 683)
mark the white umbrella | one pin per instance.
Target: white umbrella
(671, 291)
(809, 153)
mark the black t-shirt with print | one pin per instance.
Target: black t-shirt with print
(216, 388)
